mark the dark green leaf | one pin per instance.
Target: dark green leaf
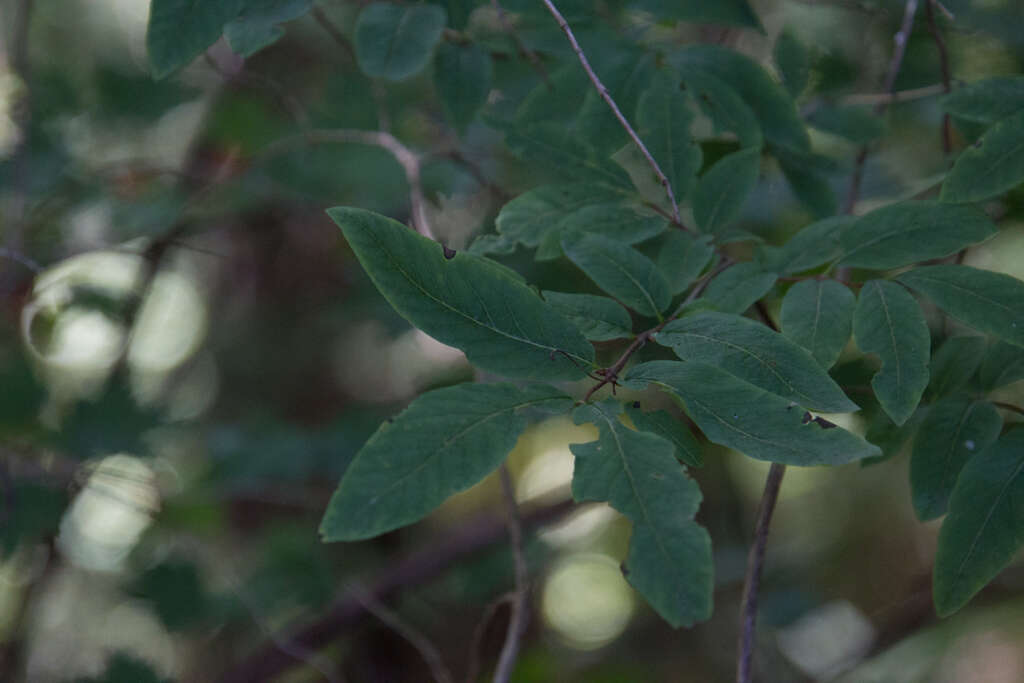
(636, 472)
(954, 430)
(620, 270)
(954, 364)
(626, 80)
(910, 232)
(485, 245)
(793, 63)
(462, 76)
(682, 258)
(808, 182)
(665, 119)
(597, 317)
(856, 124)
(985, 525)
(256, 26)
(721, 191)
(180, 30)
(616, 220)
(989, 167)
(735, 289)
(889, 323)
(770, 102)
(724, 12)
(760, 424)
(724, 106)
(988, 100)
(673, 430)
(1002, 364)
(444, 442)
(533, 214)
(547, 144)
(395, 41)
(987, 301)
(125, 667)
(465, 301)
(813, 246)
(756, 354)
(818, 315)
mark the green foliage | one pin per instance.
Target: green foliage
(465, 301)
(444, 442)
(818, 315)
(991, 166)
(793, 62)
(664, 118)
(727, 12)
(257, 25)
(597, 317)
(723, 188)
(669, 428)
(988, 100)
(889, 323)
(180, 30)
(681, 258)
(983, 530)
(735, 289)
(620, 270)
(396, 41)
(636, 472)
(462, 77)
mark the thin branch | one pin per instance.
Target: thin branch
(940, 45)
(518, 621)
(336, 35)
(752, 581)
(422, 566)
(887, 98)
(475, 654)
(405, 157)
(20, 258)
(428, 651)
(524, 52)
(295, 109)
(1009, 406)
(603, 92)
(895, 64)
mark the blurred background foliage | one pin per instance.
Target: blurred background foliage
(190, 357)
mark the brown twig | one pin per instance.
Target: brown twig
(940, 45)
(900, 40)
(887, 98)
(435, 557)
(518, 621)
(336, 35)
(294, 108)
(406, 158)
(524, 52)
(752, 581)
(428, 651)
(475, 654)
(1009, 406)
(603, 92)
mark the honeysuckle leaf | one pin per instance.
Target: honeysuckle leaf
(180, 30)
(888, 322)
(664, 118)
(991, 166)
(818, 315)
(721, 191)
(444, 442)
(669, 428)
(988, 100)
(465, 301)
(462, 77)
(395, 41)
(597, 317)
(620, 270)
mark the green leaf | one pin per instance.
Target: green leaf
(724, 106)
(987, 301)
(548, 144)
(989, 167)
(626, 78)
(665, 119)
(616, 220)
(988, 100)
(756, 354)
(620, 270)
(462, 77)
(985, 525)
(465, 301)
(807, 180)
(531, 215)
(744, 417)
(856, 124)
(636, 472)
(672, 429)
(484, 245)
(682, 257)
(770, 102)
(814, 245)
(722, 12)
(889, 323)
(395, 41)
(793, 63)
(180, 30)
(910, 232)
(597, 317)
(735, 289)
(444, 442)
(1002, 364)
(722, 190)
(954, 430)
(954, 363)
(818, 315)
(256, 26)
